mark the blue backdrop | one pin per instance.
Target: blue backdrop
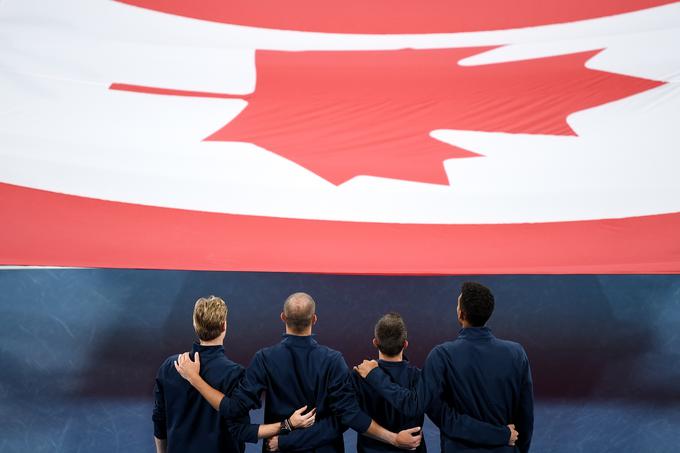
(80, 348)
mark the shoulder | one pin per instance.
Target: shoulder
(330, 352)
(439, 355)
(232, 373)
(269, 355)
(413, 369)
(170, 362)
(334, 356)
(167, 365)
(413, 372)
(357, 380)
(509, 344)
(230, 366)
(330, 359)
(513, 348)
(443, 349)
(269, 350)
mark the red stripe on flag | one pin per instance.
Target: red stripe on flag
(394, 16)
(45, 228)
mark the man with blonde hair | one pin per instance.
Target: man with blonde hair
(183, 421)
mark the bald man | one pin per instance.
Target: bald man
(297, 372)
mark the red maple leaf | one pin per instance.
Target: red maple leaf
(343, 114)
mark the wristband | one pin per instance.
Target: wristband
(285, 427)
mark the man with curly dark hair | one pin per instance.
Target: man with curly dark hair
(476, 374)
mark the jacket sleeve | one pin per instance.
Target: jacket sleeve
(322, 432)
(158, 416)
(524, 416)
(246, 396)
(341, 398)
(241, 429)
(412, 402)
(452, 423)
(461, 426)
(426, 396)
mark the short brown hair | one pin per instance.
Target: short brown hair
(390, 333)
(299, 309)
(210, 313)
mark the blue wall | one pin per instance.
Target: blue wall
(79, 348)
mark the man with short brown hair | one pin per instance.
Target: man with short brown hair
(183, 421)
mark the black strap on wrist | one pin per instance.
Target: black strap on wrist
(285, 427)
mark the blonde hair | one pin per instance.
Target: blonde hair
(210, 313)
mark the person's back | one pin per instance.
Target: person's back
(183, 421)
(191, 425)
(488, 379)
(299, 371)
(390, 338)
(403, 374)
(296, 372)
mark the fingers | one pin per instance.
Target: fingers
(309, 418)
(184, 366)
(416, 441)
(300, 420)
(180, 362)
(301, 410)
(197, 358)
(413, 430)
(513, 435)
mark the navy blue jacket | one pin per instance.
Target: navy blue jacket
(186, 420)
(297, 372)
(403, 374)
(476, 375)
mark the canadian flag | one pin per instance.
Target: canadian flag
(457, 137)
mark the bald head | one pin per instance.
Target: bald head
(299, 310)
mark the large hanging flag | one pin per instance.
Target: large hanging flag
(436, 137)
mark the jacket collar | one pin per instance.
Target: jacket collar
(475, 333)
(298, 340)
(390, 364)
(207, 350)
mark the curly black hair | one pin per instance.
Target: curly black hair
(476, 303)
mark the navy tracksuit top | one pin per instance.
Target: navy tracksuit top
(186, 420)
(297, 372)
(476, 375)
(403, 374)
